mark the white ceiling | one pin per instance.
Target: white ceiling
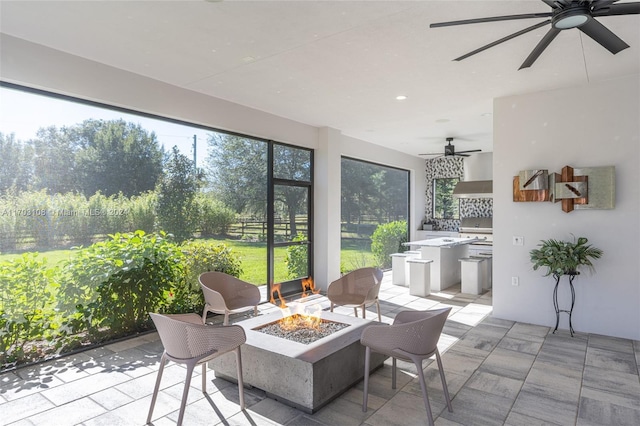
(334, 63)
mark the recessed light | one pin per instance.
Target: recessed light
(487, 114)
(442, 120)
(401, 97)
(248, 59)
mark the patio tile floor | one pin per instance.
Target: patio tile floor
(499, 373)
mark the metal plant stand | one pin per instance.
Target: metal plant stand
(572, 276)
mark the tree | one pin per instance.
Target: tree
(115, 156)
(54, 166)
(96, 155)
(176, 197)
(391, 187)
(445, 206)
(16, 165)
(292, 164)
(358, 191)
(237, 169)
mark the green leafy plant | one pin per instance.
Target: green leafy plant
(26, 307)
(176, 207)
(296, 259)
(201, 256)
(214, 217)
(564, 257)
(388, 239)
(116, 283)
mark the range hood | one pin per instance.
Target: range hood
(474, 189)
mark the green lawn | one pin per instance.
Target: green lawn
(353, 255)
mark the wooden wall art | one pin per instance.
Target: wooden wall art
(575, 188)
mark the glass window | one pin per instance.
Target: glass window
(372, 195)
(292, 222)
(291, 212)
(445, 206)
(291, 163)
(88, 190)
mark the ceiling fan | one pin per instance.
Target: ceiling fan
(450, 151)
(564, 15)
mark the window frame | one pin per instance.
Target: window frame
(271, 244)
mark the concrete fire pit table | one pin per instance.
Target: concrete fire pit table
(304, 376)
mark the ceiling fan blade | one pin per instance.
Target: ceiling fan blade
(469, 150)
(602, 4)
(491, 19)
(617, 9)
(603, 35)
(432, 153)
(457, 154)
(502, 40)
(551, 3)
(537, 51)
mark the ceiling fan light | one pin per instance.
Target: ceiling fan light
(571, 21)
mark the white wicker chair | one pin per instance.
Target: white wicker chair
(357, 289)
(187, 341)
(225, 294)
(413, 336)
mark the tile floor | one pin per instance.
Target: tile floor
(499, 373)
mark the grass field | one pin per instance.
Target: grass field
(354, 254)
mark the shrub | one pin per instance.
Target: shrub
(116, 283)
(296, 259)
(26, 306)
(8, 225)
(214, 217)
(199, 257)
(82, 223)
(388, 239)
(141, 212)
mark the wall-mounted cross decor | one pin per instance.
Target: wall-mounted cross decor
(576, 188)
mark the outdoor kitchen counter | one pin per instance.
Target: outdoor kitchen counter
(442, 242)
(444, 252)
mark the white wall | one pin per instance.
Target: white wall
(589, 126)
(39, 67)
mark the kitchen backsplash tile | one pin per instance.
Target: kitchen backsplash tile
(444, 167)
(476, 207)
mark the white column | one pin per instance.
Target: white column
(326, 200)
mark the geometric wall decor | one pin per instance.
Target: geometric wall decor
(534, 179)
(569, 188)
(531, 185)
(575, 188)
(602, 187)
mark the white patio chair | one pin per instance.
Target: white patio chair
(357, 289)
(413, 336)
(226, 294)
(187, 341)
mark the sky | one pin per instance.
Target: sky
(23, 113)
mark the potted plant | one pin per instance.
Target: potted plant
(564, 257)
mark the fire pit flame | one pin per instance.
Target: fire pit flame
(302, 324)
(295, 322)
(296, 316)
(276, 289)
(299, 319)
(307, 284)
